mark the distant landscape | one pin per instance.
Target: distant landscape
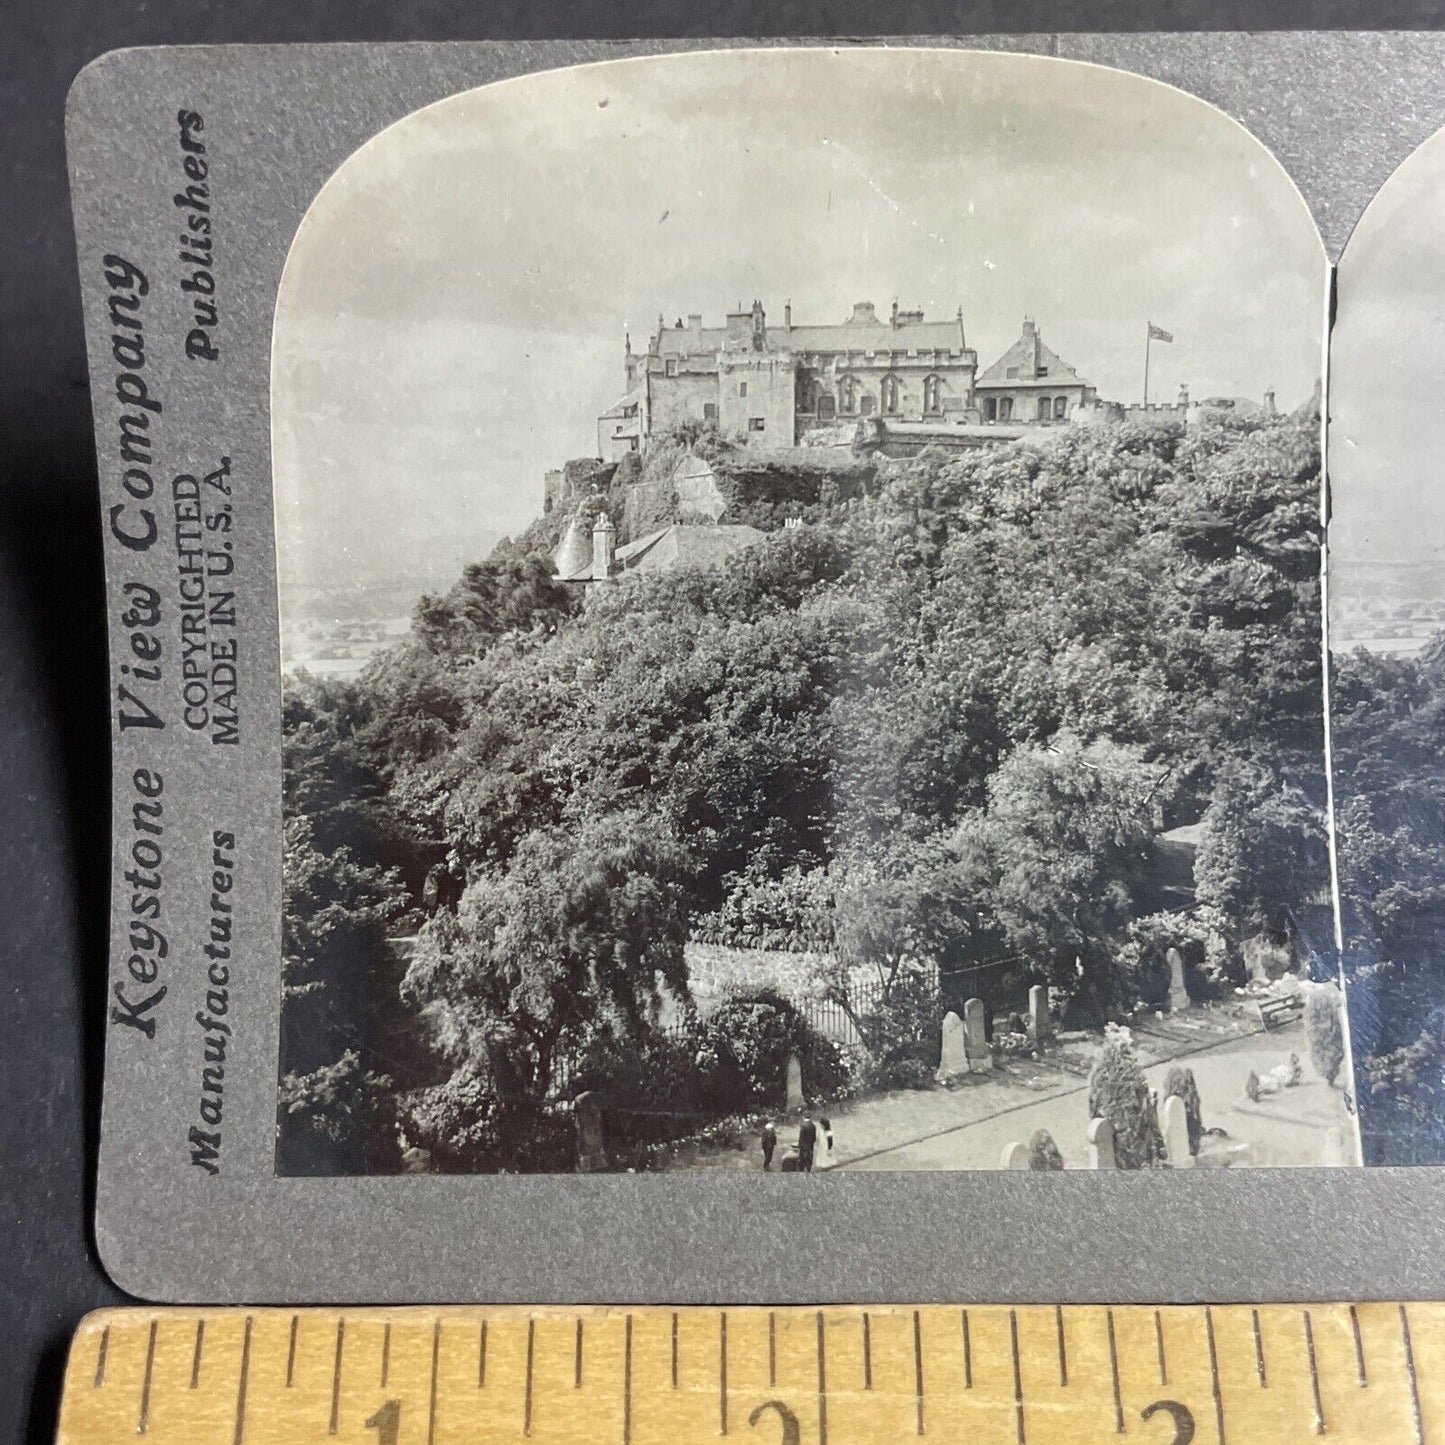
(1392, 607)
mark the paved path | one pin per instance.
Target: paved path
(1289, 1128)
(968, 1125)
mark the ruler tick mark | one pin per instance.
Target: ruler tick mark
(482, 1358)
(822, 1386)
(674, 1344)
(1319, 1409)
(1063, 1348)
(385, 1352)
(627, 1377)
(145, 1386)
(577, 1362)
(967, 1355)
(291, 1353)
(772, 1348)
(431, 1408)
(867, 1352)
(627, 1374)
(527, 1388)
(1114, 1375)
(1159, 1341)
(336, 1376)
(918, 1372)
(240, 1431)
(196, 1353)
(1214, 1374)
(1412, 1377)
(722, 1373)
(100, 1357)
(1360, 1375)
(1258, 1350)
(1013, 1333)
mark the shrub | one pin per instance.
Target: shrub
(1324, 1029)
(904, 1034)
(1180, 1082)
(745, 1047)
(1119, 1093)
(1043, 1152)
(469, 1128)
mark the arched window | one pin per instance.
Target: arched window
(825, 406)
(890, 393)
(1061, 408)
(1005, 408)
(865, 404)
(990, 408)
(933, 395)
(847, 394)
(1046, 408)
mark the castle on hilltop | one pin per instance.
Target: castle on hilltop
(787, 386)
(895, 384)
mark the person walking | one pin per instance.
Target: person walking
(807, 1143)
(770, 1143)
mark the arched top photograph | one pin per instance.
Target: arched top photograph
(801, 629)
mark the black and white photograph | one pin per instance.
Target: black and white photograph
(801, 613)
(1387, 663)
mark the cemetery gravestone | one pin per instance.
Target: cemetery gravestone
(1101, 1144)
(587, 1119)
(953, 1058)
(1038, 1015)
(975, 1038)
(1015, 1156)
(1178, 994)
(1175, 1125)
(795, 1083)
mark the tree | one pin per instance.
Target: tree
(578, 934)
(1060, 853)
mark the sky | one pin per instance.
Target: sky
(1387, 421)
(452, 314)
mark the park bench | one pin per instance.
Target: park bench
(1275, 1013)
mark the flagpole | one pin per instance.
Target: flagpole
(1148, 341)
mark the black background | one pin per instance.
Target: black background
(54, 738)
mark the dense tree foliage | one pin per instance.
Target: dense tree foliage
(943, 719)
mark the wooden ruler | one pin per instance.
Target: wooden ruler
(840, 1375)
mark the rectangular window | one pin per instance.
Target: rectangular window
(672, 366)
(742, 388)
(709, 411)
(1012, 373)
(1043, 371)
(756, 423)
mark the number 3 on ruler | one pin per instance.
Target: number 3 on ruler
(387, 1423)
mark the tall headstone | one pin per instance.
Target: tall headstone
(1101, 1144)
(1015, 1156)
(953, 1057)
(975, 1038)
(795, 1083)
(1174, 1123)
(587, 1119)
(1178, 994)
(1038, 1015)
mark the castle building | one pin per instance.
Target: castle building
(1030, 385)
(773, 386)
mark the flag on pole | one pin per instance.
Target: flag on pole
(1158, 333)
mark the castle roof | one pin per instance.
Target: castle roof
(1028, 362)
(681, 543)
(864, 331)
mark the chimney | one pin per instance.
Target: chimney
(694, 320)
(893, 315)
(1031, 345)
(604, 540)
(787, 316)
(864, 314)
(1269, 406)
